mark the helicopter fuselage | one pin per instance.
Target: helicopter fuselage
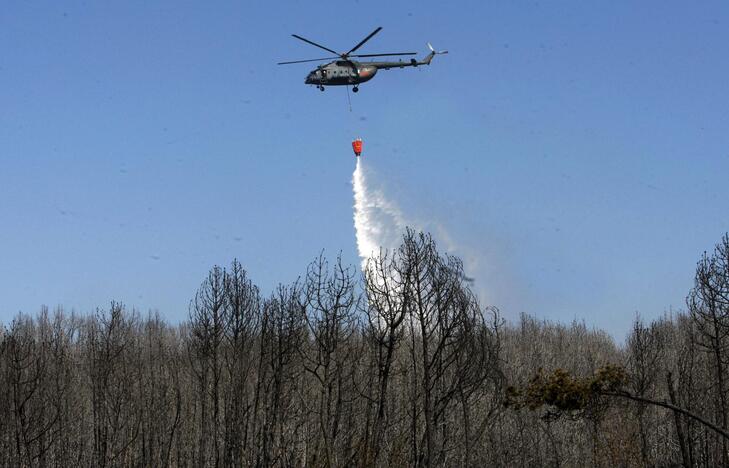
(347, 72)
(351, 72)
(341, 73)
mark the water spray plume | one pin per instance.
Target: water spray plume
(378, 222)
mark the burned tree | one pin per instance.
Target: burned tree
(277, 410)
(329, 305)
(708, 304)
(34, 401)
(645, 345)
(243, 312)
(443, 318)
(386, 306)
(114, 377)
(207, 331)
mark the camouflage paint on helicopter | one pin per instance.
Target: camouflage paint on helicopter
(345, 72)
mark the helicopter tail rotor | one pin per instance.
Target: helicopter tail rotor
(436, 52)
(433, 53)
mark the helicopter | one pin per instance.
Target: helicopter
(344, 72)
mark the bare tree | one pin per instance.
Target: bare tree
(113, 377)
(478, 375)
(34, 413)
(386, 306)
(645, 346)
(282, 331)
(403, 368)
(440, 308)
(208, 321)
(708, 304)
(160, 391)
(329, 304)
(244, 309)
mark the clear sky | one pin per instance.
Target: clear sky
(577, 152)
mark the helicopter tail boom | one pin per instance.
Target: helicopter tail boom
(433, 53)
(412, 63)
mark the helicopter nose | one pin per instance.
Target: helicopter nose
(310, 78)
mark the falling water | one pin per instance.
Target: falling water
(378, 222)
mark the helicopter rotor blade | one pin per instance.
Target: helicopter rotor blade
(310, 60)
(383, 55)
(364, 40)
(317, 45)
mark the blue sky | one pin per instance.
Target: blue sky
(577, 150)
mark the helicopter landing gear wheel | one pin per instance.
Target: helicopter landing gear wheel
(321, 88)
(355, 89)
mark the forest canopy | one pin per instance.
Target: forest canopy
(399, 365)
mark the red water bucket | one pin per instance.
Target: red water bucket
(357, 146)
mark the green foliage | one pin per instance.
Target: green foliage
(564, 393)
